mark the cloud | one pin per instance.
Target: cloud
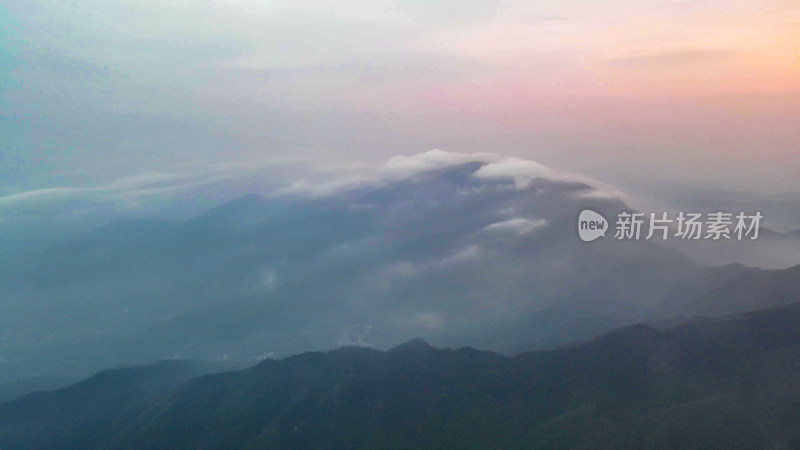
(153, 191)
(151, 188)
(49, 194)
(326, 181)
(149, 180)
(468, 254)
(404, 166)
(326, 187)
(63, 203)
(183, 192)
(519, 225)
(521, 171)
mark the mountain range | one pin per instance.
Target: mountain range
(713, 383)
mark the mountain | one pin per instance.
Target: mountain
(480, 252)
(74, 415)
(734, 289)
(772, 250)
(716, 383)
(16, 389)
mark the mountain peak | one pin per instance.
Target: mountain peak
(414, 345)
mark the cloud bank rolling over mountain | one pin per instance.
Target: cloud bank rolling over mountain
(462, 249)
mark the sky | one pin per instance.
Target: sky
(671, 98)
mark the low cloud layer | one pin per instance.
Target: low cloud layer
(154, 192)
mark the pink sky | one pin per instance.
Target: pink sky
(702, 91)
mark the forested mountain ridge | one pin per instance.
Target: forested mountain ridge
(715, 383)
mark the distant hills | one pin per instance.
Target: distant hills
(732, 289)
(715, 383)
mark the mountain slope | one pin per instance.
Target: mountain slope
(733, 289)
(85, 413)
(724, 383)
(16, 389)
